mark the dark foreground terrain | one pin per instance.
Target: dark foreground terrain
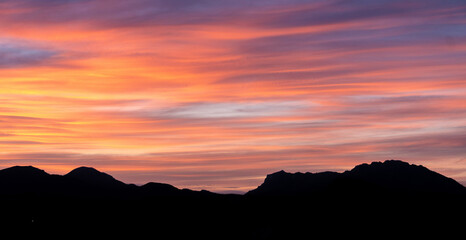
(375, 200)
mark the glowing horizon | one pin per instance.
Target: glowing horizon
(216, 94)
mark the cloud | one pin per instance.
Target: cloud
(19, 142)
(287, 78)
(233, 109)
(336, 12)
(112, 13)
(271, 14)
(14, 55)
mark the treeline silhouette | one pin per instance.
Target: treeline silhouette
(370, 196)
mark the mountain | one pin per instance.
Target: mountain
(27, 180)
(159, 189)
(94, 177)
(388, 177)
(283, 183)
(399, 176)
(22, 172)
(287, 205)
(82, 182)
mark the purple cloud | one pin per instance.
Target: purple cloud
(13, 55)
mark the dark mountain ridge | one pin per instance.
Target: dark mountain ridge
(285, 206)
(92, 176)
(388, 177)
(83, 182)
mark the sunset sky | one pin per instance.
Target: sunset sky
(209, 94)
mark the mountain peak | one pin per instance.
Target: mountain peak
(92, 175)
(278, 174)
(402, 176)
(284, 183)
(162, 189)
(389, 176)
(84, 170)
(387, 164)
(21, 171)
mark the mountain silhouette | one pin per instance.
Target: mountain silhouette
(22, 172)
(28, 180)
(287, 205)
(82, 182)
(391, 176)
(395, 175)
(95, 178)
(388, 177)
(160, 189)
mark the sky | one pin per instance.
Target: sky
(215, 95)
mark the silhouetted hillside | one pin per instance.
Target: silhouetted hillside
(283, 183)
(159, 189)
(82, 182)
(28, 180)
(389, 177)
(285, 206)
(92, 176)
(398, 176)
